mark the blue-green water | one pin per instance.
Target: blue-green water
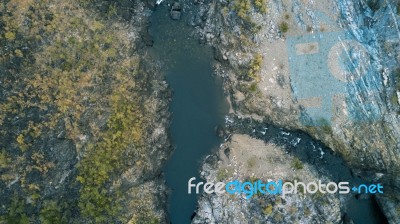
(198, 106)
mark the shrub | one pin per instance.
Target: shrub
(255, 66)
(18, 53)
(21, 142)
(10, 36)
(50, 213)
(283, 27)
(223, 174)
(297, 164)
(242, 8)
(261, 5)
(253, 87)
(16, 212)
(4, 160)
(268, 210)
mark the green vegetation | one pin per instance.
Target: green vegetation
(51, 213)
(253, 87)
(284, 27)
(77, 78)
(297, 164)
(4, 160)
(261, 5)
(16, 212)
(106, 158)
(268, 210)
(243, 7)
(21, 142)
(10, 36)
(223, 174)
(255, 67)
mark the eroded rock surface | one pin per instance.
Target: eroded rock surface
(252, 159)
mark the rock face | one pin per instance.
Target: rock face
(176, 11)
(283, 66)
(253, 159)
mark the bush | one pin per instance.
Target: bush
(10, 36)
(261, 5)
(50, 213)
(253, 87)
(297, 164)
(242, 7)
(255, 66)
(267, 210)
(283, 27)
(16, 212)
(4, 160)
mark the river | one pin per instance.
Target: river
(198, 106)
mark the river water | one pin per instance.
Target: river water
(198, 106)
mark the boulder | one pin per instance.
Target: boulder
(176, 11)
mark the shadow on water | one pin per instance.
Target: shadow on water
(198, 106)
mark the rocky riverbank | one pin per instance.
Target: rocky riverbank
(272, 62)
(245, 158)
(300, 151)
(83, 114)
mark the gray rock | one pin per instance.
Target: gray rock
(147, 38)
(176, 11)
(220, 131)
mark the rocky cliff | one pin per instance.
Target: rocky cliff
(329, 68)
